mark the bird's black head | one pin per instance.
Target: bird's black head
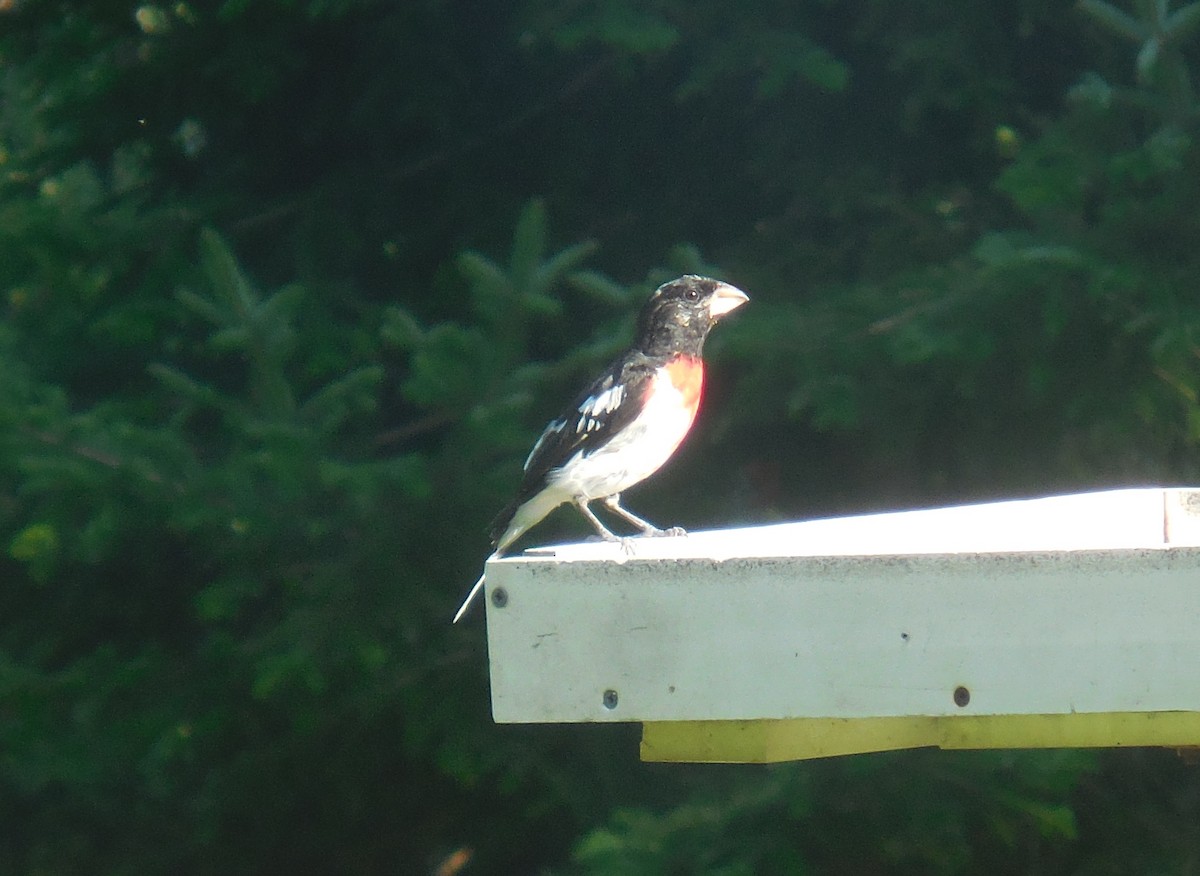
(679, 314)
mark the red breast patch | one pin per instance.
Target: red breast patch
(687, 376)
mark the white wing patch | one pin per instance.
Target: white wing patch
(596, 406)
(633, 454)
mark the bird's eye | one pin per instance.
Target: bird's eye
(692, 294)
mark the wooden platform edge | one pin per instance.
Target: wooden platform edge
(775, 741)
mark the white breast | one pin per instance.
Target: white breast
(637, 452)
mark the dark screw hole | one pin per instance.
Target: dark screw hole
(499, 597)
(962, 696)
(610, 699)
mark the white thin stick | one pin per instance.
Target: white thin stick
(471, 598)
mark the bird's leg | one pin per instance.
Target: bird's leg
(613, 503)
(625, 543)
(601, 529)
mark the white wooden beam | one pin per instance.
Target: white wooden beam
(1086, 604)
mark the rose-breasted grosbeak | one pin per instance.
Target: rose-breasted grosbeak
(627, 423)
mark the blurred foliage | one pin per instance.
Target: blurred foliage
(768, 43)
(989, 806)
(289, 288)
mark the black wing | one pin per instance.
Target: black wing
(609, 404)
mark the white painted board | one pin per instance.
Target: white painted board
(1085, 603)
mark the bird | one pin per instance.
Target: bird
(628, 421)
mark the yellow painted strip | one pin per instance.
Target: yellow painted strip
(771, 741)
(1100, 730)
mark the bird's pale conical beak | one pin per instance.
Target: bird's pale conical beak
(726, 298)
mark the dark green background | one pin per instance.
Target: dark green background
(290, 287)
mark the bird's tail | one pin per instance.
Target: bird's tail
(510, 525)
(499, 526)
(515, 520)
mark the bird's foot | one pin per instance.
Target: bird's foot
(673, 531)
(597, 538)
(626, 543)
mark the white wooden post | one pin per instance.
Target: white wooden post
(1064, 621)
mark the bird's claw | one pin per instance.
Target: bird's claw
(671, 532)
(624, 542)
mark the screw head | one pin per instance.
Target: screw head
(962, 696)
(609, 699)
(499, 597)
